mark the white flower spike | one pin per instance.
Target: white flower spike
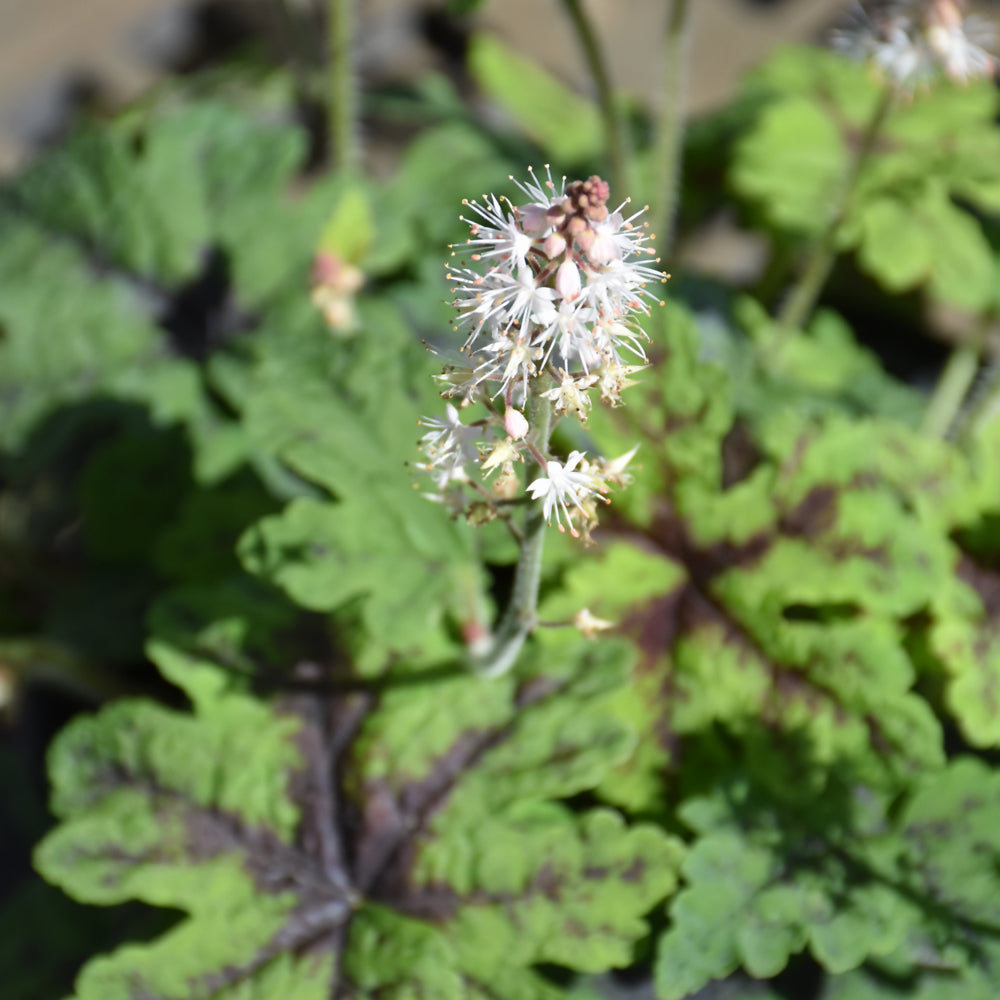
(550, 303)
(912, 41)
(550, 299)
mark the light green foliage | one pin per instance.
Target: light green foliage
(826, 372)
(907, 888)
(759, 890)
(578, 901)
(772, 755)
(559, 120)
(172, 809)
(521, 879)
(791, 614)
(639, 575)
(900, 213)
(212, 814)
(140, 206)
(344, 416)
(326, 554)
(392, 956)
(791, 162)
(350, 230)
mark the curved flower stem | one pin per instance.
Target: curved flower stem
(520, 617)
(951, 390)
(980, 406)
(802, 299)
(670, 128)
(986, 405)
(614, 130)
(342, 98)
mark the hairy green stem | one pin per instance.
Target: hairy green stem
(950, 392)
(520, 616)
(614, 127)
(342, 98)
(670, 127)
(297, 53)
(801, 300)
(980, 406)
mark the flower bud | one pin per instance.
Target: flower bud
(554, 245)
(589, 624)
(568, 282)
(515, 423)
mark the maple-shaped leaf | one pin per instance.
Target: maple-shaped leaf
(763, 884)
(910, 889)
(779, 608)
(347, 845)
(794, 163)
(193, 813)
(343, 415)
(132, 218)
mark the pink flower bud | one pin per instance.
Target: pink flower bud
(534, 219)
(568, 280)
(554, 245)
(515, 423)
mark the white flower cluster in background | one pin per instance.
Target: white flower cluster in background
(911, 42)
(550, 312)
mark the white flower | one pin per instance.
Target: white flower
(559, 281)
(570, 396)
(504, 453)
(528, 301)
(561, 487)
(568, 282)
(617, 238)
(459, 380)
(498, 234)
(560, 268)
(570, 328)
(613, 469)
(543, 195)
(910, 42)
(614, 377)
(959, 57)
(589, 624)
(449, 446)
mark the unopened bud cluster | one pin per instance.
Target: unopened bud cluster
(549, 310)
(911, 42)
(335, 283)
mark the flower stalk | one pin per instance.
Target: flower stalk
(951, 391)
(342, 98)
(615, 134)
(670, 127)
(520, 616)
(801, 301)
(549, 311)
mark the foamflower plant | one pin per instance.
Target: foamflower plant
(550, 300)
(909, 43)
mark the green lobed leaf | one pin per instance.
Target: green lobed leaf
(515, 878)
(824, 373)
(342, 415)
(904, 244)
(761, 888)
(129, 217)
(794, 162)
(462, 874)
(577, 899)
(180, 811)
